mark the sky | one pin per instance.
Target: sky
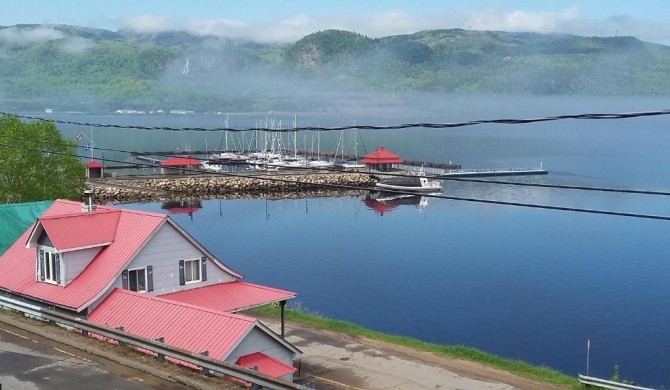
(290, 20)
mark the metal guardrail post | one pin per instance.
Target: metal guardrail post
(205, 371)
(160, 356)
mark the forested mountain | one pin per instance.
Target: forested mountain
(71, 68)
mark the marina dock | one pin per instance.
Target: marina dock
(487, 172)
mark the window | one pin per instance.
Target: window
(138, 279)
(192, 271)
(48, 266)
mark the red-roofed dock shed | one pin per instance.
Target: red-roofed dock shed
(382, 160)
(180, 166)
(94, 170)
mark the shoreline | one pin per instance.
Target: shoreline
(461, 360)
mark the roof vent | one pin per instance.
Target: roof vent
(88, 205)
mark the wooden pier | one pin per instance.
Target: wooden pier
(444, 173)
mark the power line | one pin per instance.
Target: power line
(436, 196)
(331, 170)
(561, 186)
(357, 126)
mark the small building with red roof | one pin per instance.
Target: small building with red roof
(382, 160)
(94, 170)
(180, 166)
(122, 267)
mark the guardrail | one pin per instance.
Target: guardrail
(23, 307)
(208, 364)
(606, 384)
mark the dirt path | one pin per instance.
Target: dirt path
(353, 362)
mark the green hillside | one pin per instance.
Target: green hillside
(94, 70)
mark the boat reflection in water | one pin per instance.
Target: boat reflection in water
(182, 207)
(382, 202)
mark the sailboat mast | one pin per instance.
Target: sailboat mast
(356, 141)
(91, 141)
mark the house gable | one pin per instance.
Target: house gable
(261, 339)
(162, 255)
(54, 236)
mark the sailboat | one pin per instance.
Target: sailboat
(352, 163)
(319, 163)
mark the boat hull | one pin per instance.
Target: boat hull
(424, 189)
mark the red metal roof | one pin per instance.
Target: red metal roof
(230, 296)
(266, 364)
(17, 265)
(94, 164)
(181, 325)
(180, 162)
(81, 230)
(382, 156)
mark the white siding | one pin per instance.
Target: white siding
(163, 252)
(75, 262)
(259, 341)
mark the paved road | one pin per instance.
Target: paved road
(30, 362)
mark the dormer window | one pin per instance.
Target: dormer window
(138, 279)
(48, 266)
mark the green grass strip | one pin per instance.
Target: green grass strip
(539, 373)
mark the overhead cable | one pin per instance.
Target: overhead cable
(357, 126)
(361, 188)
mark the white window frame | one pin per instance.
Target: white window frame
(47, 262)
(137, 271)
(189, 267)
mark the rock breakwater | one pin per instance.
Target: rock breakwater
(219, 186)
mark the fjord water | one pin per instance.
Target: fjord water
(522, 283)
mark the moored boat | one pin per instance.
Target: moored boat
(421, 184)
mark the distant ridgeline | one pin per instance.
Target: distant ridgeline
(69, 68)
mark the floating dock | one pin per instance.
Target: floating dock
(490, 172)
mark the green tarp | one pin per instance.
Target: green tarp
(16, 218)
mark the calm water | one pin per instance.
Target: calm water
(518, 282)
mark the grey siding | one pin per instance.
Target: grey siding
(259, 341)
(75, 262)
(163, 252)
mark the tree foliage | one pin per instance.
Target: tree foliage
(37, 163)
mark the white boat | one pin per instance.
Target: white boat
(209, 167)
(229, 158)
(350, 164)
(421, 184)
(320, 164)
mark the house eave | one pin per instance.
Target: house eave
(102, 244)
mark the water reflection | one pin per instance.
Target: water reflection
(382, 202)
(182, 206)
